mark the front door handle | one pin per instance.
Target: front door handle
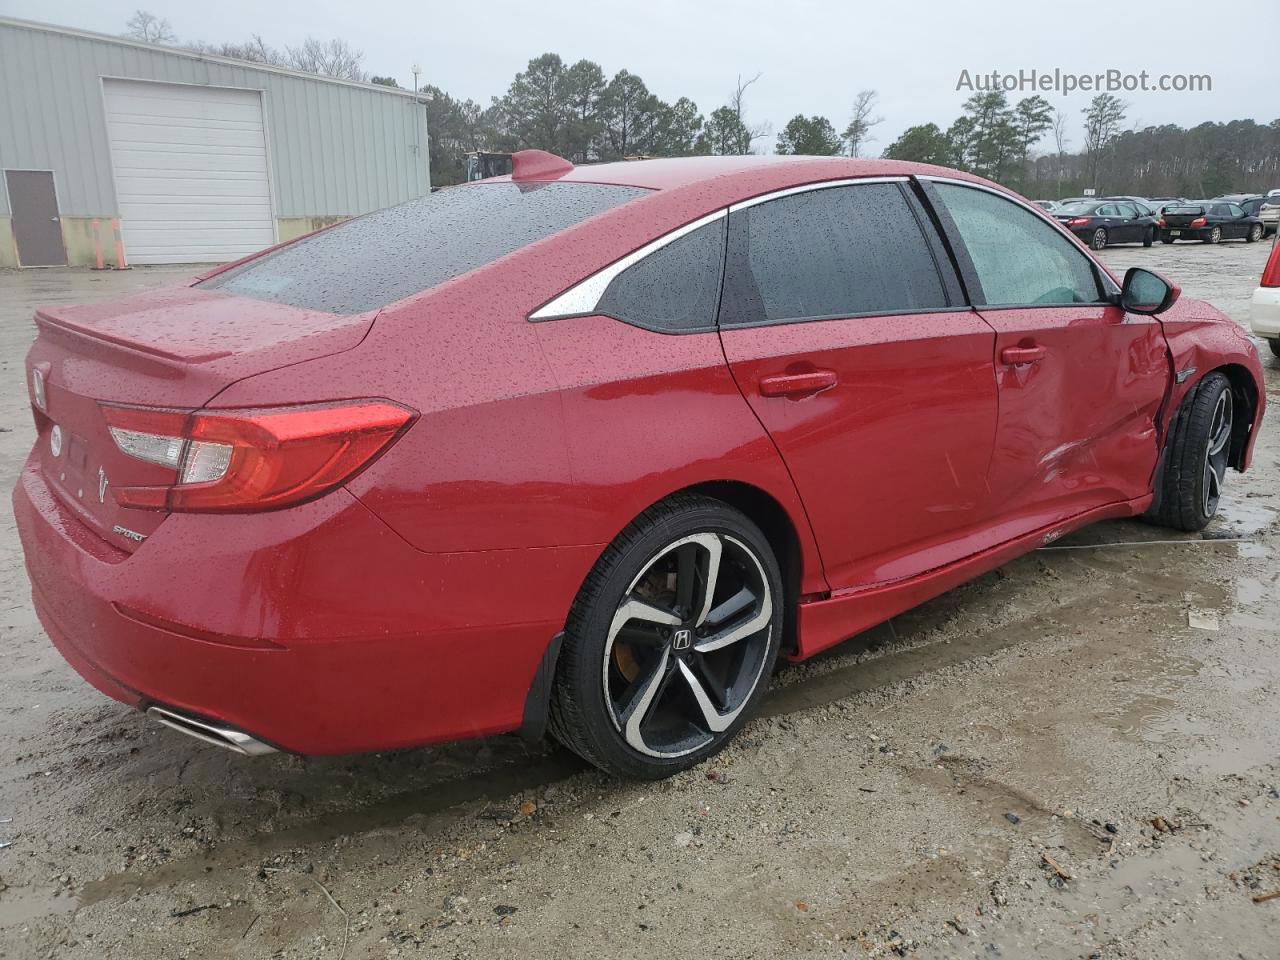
(797, 384)
(1015, 355)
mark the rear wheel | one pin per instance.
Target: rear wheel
(1166, 239)
(1099, 238)
(1275, 346)
(671, 641)
(1215, 236)
(1148, 238)
(1197, 458)
(1255, 233)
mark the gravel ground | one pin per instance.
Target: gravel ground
(1051, 761)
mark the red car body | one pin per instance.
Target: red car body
(418, 601)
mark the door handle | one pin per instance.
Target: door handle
(797, 384)
(1016, 355)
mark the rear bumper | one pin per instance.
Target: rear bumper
(1183, 233)
(1264, 312)
(315, 629)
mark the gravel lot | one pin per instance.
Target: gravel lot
(1048, 762)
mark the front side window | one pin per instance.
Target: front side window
(382, 257)
(829, 252)
(1019, 259)
(675, 289)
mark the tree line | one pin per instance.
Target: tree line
(996, 139)
(577, 111)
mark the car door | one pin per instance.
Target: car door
(845, 328)
(1239, 221)
(1081, 382)
(1109, 217)
(1130, 225)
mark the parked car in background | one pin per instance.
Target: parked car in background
(1159, 203)
(588, 448)
(1250, 203)
(1066, 200)
(1142, 203)
(1264, 310)
(1270, 212)
(1209, 221)
(1102, 223)
(1049, 205)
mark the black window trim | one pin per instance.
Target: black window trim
(1108, 290)
(951, 283)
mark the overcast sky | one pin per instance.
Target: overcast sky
(813, 57)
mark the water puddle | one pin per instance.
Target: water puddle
(19, 905)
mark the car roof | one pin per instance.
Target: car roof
(725, 179)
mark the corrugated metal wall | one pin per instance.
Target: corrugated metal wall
(335, 149)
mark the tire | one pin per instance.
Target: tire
(1255, 234)
(1275, 346)
(627, 696)
(1199, 443)
(1099, 238)
(1166, 239)
(1148, 238)
(1215, 236)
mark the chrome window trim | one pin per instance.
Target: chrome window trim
(1108, 284)
(583, 297)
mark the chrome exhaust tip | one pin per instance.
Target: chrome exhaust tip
(224, 737)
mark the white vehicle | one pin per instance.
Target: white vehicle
(1264, 311)
(1270, 212)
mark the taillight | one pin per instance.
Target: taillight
(1077, 221)
(1161, 222)
(1199, 222)
(1271, 272)
(257, 459)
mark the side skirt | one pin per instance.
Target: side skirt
(824, 623)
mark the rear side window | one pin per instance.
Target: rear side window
(386, 256)
(1019, 259)
(832, 252)
(675, 289)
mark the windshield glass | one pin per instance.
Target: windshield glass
(391, 254)
(1076, 209)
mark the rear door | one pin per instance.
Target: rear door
(1081, 382)
(845, 328)
(1131, 226)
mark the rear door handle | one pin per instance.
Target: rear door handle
(797, 384)
(1016, 355)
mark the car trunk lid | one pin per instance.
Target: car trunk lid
(172, 348)
(1182, 216)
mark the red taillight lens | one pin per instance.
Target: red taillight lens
(1271, 272)
(1161, 222)
(248, 460)
(1077, 222)
(1199, 222)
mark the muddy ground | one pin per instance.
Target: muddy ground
(977, 778)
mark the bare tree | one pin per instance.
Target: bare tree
(332, 58)
(149, 28)
(737, 101)
(254, 50)
(1102, 119)
(1060, 141)
(858, 133)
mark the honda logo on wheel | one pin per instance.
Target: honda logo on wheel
(682, 640)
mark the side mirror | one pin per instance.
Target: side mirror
(1146, 292)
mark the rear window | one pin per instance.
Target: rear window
(1183, 208)
(386, 256)
(1076, 209)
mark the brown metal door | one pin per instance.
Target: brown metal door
(36, 225)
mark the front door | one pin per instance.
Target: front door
(1081, 382)
(37, 228)
(844, 326)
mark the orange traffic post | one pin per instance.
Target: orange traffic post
(120, 262)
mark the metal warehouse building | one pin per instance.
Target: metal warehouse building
(201, 158)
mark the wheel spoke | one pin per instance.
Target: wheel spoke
(640, 698)
(636, 609)
(715, 720)
(751, 626)
(714, 550)
(740, 601)
(1220, 426)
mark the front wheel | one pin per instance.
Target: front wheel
(1099, 239)
(671, 641)
(1255, 233)
(1198, 456)
(1215, 236)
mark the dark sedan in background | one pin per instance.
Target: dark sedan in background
(1101, 223)
(1209, 221)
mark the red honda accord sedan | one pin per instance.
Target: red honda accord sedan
(588, 448)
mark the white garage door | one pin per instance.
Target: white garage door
(190, 167)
